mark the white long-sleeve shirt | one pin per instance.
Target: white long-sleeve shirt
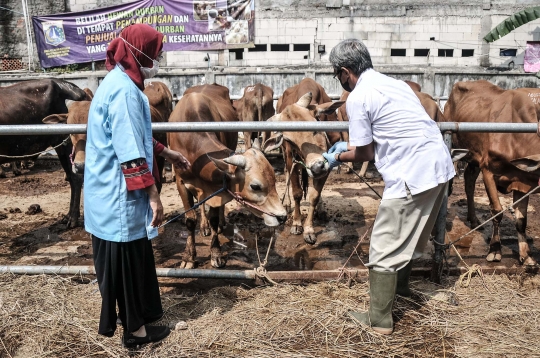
(409, 148)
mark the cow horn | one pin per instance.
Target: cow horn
(256, 144)
(305, 100)
(237, 160)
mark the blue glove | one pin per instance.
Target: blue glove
(331, 159)
(338, 147)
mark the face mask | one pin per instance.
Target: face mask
(346, 86)
(145, 71)
(150, 72)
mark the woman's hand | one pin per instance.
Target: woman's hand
(155, 204)
(175, 158)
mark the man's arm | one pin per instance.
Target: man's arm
(358, 154)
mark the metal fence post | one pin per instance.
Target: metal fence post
(440, 227)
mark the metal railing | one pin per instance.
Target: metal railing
(297, 126)
(447, 128)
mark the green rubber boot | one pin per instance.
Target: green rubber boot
(382, 290)
(403, 276)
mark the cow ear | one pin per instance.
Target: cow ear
(55, 118)
(274, 142)
(305, 100)
(225, 168)
(527, 164)
(328, 108)
(458, 154)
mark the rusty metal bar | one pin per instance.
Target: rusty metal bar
(360, 274)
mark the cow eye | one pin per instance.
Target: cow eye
(255, 187)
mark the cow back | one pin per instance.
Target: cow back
(220, 103)
(481, 101)
(29, 102)
(257, 103)
(319, 96)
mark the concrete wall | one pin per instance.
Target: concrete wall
(437, 82)
(383, 25)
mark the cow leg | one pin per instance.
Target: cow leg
(190, 253)
(75, 183)
(471, 174)
(205, 225)
(216, 258)
(296, 227)
(314, 196)
(521, 227)
(160, 161)
(15, 169)
(247, 140)
(288, 179)
(2, 173)
(495, 253)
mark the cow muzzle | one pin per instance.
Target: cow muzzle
(273, 220)
(318, 168)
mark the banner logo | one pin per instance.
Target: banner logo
(54, 32)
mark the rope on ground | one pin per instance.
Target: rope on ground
(64, 142)
(343, 270)
(465, 278)
(261, 270)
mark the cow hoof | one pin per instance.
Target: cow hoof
(296, 229)
(494, 256)
(474, 223)
(188, 265)
(527, 261)
(310, 238)
(205, 231)
(218, 261)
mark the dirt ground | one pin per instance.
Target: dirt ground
(349, 207)
(241, 311)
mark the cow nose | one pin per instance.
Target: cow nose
(78, 168)
(281, 218)
(318, 168)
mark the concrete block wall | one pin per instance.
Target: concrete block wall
(382, 24)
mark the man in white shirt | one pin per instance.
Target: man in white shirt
(388, 123)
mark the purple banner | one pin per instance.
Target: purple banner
(79, 37)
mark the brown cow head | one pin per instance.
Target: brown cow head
(307, 147)
(78, 114)
(253, 178)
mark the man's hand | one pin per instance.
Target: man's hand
(155, 204)
(331, 159)
(176, 159)
(338, 147)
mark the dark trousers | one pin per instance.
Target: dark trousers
(126, 274)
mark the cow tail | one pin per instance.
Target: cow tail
(305, 182)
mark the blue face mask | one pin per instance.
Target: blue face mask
(145, 71)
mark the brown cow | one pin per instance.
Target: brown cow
(257, 104)
(214, 163)
(29, 102)
(507, 165)
(305, 148)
